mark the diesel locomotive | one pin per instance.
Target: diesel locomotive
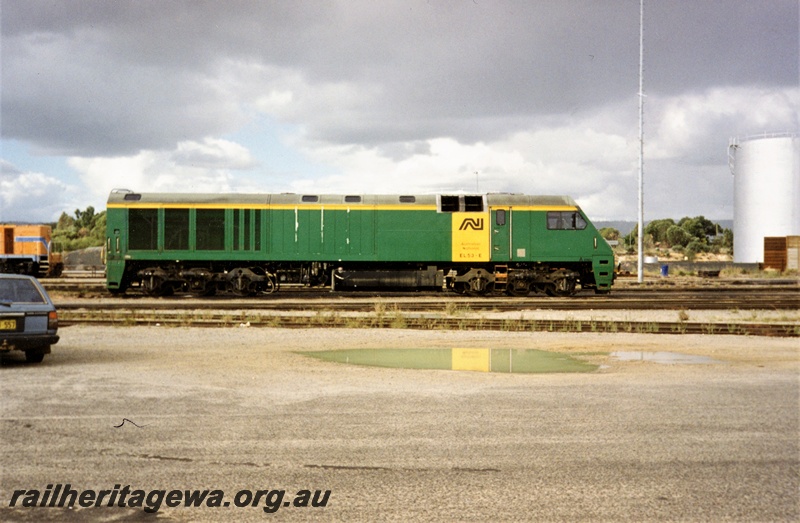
(248, 244)
(28, 249)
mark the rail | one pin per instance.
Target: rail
(399, 320)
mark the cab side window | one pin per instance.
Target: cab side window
(565, 221)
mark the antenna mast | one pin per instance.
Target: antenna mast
(640, 266)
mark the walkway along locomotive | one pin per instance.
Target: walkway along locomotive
(252, 243)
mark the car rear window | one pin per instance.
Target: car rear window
(24, 291)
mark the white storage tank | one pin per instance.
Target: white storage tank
(766, 171)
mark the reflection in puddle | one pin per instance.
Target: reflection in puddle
(483, 360)
(662, 357)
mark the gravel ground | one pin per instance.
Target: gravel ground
(238, 408)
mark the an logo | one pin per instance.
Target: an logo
(471, 223)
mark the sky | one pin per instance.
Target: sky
(373, 97)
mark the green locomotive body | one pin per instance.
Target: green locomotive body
(251, 243)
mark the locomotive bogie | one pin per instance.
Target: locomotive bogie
(251, 244)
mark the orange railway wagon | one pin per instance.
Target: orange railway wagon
(27, 249)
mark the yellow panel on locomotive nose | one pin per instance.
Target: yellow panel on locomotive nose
(471, 237)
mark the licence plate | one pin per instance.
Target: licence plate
(8, 325)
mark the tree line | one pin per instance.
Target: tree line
(689, 236)
(84, 229)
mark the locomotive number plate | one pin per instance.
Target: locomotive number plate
(8, 325)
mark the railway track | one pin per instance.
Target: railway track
(773, 296)
(573, 304)
(302, 307)
(398, 319)
(687, 300)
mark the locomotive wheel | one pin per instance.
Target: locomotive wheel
(460, 287)
(561, 287)
(241, 285)
(475, 281)
(202, 289)
(154, 286)
(519, 288)
(480, 286)
(199, 285)
(151, 284)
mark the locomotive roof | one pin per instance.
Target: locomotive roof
(125, 197)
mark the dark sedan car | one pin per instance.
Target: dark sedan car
(28, 318)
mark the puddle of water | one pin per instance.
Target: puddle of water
(669, 358)
(481, 360)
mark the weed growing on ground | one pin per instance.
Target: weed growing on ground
(380, 309)
(452, 308)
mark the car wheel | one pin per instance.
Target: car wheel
(34, 355)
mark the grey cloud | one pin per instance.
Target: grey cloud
(695, 45)
(98, 78)
(67, 99)
(7, 168)
(401, 150)
(212, 155)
